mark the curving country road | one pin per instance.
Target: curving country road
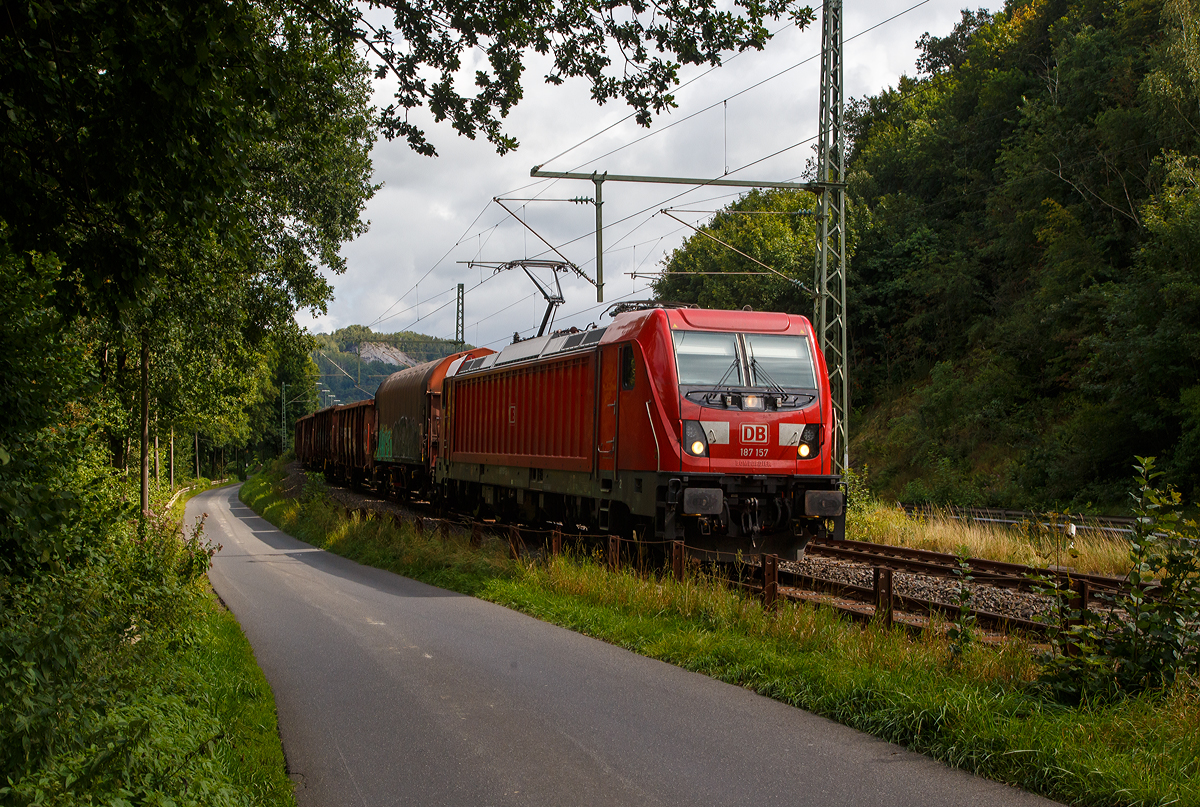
(392, 692)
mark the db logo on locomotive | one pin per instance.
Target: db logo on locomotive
(754, 432)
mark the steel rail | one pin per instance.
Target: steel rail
(988, 515)
(941, 564)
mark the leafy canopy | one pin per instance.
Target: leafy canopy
(1023, 294)
(429, 47)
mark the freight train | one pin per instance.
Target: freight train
(670, 423)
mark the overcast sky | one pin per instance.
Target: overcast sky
(433, 215)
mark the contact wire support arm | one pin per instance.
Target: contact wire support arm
(553, 298)
(566, 261)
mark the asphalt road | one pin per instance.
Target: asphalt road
(390, 692)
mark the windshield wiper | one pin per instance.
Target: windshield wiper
(708, 396)
(786, 397)
(732, 366)
(757, 368)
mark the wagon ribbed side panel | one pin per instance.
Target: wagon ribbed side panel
(535, 415)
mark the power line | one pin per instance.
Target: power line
(418, 304)
(706, 109)
(682, 86)
(743, 91)
(467, 233)
(437, 263)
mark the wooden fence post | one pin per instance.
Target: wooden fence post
(614, 552)
(677, 559)
(556, 542)
(1077, 606)
(770, 567)
(883, 595)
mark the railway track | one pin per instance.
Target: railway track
(860, 602)
(1117, 525)
(941, 564)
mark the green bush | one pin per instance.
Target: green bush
(96, 704)
(1152, 635)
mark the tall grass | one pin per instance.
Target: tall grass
(447, 561)
(979, 710)
(1032, 544)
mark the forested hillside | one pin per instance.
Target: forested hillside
(1025, 276)
(1026, 284)
(350, 377)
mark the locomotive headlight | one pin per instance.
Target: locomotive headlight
(810, 438)
(694, 438)
(752, 402)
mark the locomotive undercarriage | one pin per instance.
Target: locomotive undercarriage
(752, 513)
(710, 513)
(715, 513)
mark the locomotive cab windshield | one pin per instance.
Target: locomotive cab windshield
(728, 370)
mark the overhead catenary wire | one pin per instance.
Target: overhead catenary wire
(632, 115)
(605, 304)
(770, 269)
(415, 305)
(437, 263)
(339, 367)
(745, 90)
(723, 101)
(675, 123)
(468, 234)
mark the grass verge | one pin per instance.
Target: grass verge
(977, 710)
(1030, 544)
(123, 680)
(249, 751)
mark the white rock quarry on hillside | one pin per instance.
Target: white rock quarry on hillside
(385, 354)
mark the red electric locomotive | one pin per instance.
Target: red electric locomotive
(713, 426)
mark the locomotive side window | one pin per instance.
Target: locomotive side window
(784, 361)
(628, 373)
(706, 357)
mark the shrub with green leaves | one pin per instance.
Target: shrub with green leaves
(97, 704)
(1151, 635)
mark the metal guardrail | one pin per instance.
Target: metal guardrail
(182, 491)
(989, 515)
